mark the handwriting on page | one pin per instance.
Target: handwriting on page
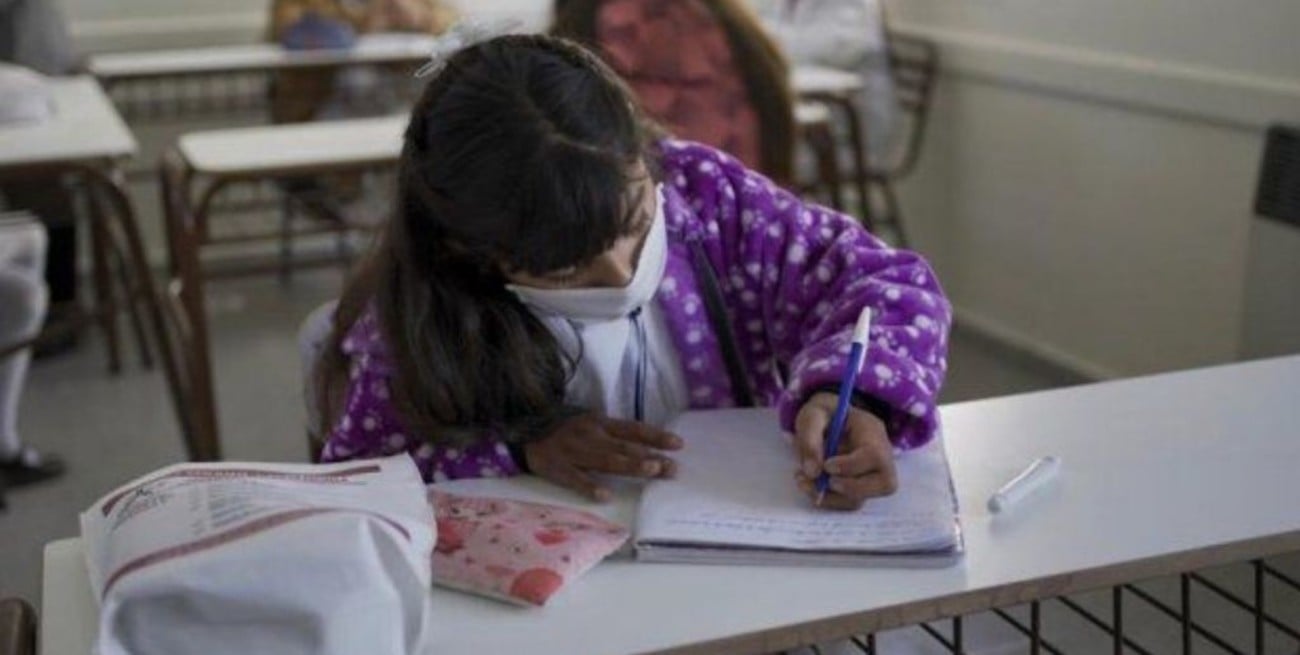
(731, 492)
(806, 532)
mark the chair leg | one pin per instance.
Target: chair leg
(17, 627)
(207, 444)
(191, 393)
(822, 143)
(893, 214)
(202, 436)
(287, 213)
(314, 448)
(343, 250)
(132, 295)
(104, 302)
(858, 147)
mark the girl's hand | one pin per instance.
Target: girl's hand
(588, 444)
(864, 466)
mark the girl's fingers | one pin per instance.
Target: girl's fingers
(840, 502)
(865, 450)
(616, 463)
(866, 486)
(809, 435)
(641, 433)
(605, 454)
(572, 478)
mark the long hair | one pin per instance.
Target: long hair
(519, 156)
(763, 67)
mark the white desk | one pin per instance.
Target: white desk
(219, 80)
(369, 49)
(811, 113)
(85, 137)
(202, 165)
(1162, 475)
(84, 128)
(811, 79)
(274, 150)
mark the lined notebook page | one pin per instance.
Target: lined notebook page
(735, 488)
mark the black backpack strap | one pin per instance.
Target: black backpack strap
(741, 393)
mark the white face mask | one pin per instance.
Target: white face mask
(609, 303)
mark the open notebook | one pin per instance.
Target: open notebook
(734, 501)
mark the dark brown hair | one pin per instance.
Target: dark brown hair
(762, 65)
(519, 155)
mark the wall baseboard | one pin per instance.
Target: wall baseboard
(1018, 345)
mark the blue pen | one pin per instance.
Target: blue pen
(857, 355)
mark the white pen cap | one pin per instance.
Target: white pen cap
(1034, 478)
(862, 331)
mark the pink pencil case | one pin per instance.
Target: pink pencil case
(516, 551)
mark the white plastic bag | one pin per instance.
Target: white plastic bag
(264, 558)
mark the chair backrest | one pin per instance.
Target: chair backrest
(17, 627)
(312, 338)
(914, 63)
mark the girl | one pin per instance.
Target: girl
(556, 284)
(704, 69)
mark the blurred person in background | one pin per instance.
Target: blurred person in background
(34, 35)
(23, 302)
(325, 93)
(704, 69)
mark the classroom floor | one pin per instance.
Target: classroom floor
(111, 429)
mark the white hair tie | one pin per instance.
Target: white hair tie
(464, 34)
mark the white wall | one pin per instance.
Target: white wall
(99, 25)
(1086, 192)
(104, 25)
